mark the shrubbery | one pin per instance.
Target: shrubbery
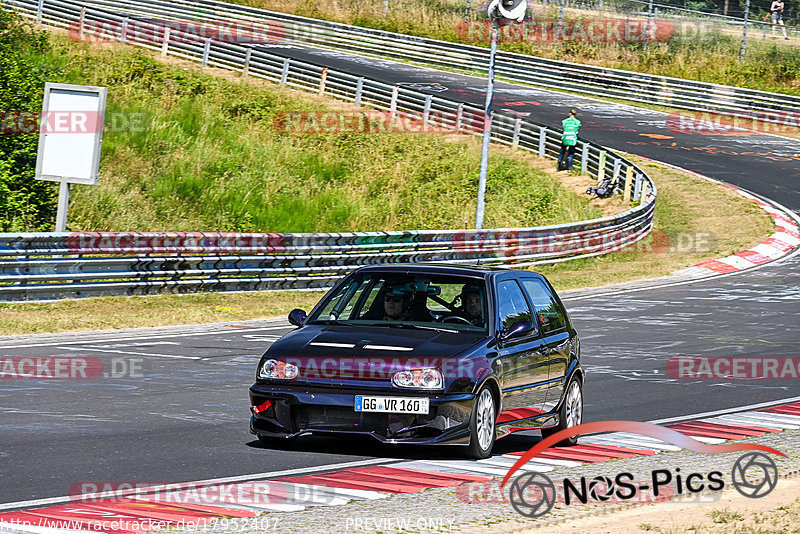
(25, 204)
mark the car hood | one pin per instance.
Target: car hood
(333, 351)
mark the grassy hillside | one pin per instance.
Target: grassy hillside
(190, 151)
(711, 57)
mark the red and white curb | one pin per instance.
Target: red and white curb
(776, 246)
(294, 493)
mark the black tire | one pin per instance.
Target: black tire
(570, 414)
(482, 432)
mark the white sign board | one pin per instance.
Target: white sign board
(71, 133)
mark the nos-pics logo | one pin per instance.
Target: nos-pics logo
(534, 494)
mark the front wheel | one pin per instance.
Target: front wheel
(570, 415)
(482, 425)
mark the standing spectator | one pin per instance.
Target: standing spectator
(569, 139)
(777, 17)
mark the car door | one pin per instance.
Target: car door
(522, 367)
(552, 322)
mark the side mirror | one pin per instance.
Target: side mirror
(518, 329)
(297, 317)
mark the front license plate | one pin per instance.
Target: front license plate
(392, 405)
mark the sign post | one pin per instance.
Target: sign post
(70, 136)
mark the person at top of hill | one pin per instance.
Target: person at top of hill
(569, 140)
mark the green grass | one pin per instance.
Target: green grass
(711, 56)
(209, 159)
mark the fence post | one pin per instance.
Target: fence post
(246, 68)
(601, 167)
(393, 105)
(585, 158)
(637, 190)
(628, 183)
(165, 45)
(82, 23)
(466, 10)
(39, 12)
(517, 126)
(459, 116)
(542, 140)
(426, 111)
(615, 176)
(206, 52)
(744, 30)
(123, 32)
(285, 72)
(322, 79)
(359, 90)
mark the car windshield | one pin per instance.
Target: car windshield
(441, 302)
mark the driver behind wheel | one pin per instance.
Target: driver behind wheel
(471, 307)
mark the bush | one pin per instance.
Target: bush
(25, 204)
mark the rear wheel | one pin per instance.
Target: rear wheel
(570, 415)
(482, 425)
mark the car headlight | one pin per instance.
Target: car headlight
(278, 370)
(418, 378)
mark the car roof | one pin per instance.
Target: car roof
(483, 271)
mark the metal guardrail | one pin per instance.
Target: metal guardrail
(58, 265)
(577, 78)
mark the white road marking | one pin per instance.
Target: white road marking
(81, 349)
(726, 411)
(129, 335)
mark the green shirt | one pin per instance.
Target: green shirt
(570, 127)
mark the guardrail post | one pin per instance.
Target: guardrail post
(542, 140)
(637, 190)
(426, 110)
(322, 78)
(359, 91)
(82, 23)
(585, 157)
(206, 52)
(601, 167)
(628, 184)
(643, 195)
(39, 12)
(615, 176)
(393, 104)
(517, 126)
(123, 33)
(459, 116)
(246, 68)
(285, 72)
(165, 45)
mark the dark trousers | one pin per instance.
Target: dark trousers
(569, 151)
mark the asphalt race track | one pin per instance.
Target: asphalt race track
(185, 418)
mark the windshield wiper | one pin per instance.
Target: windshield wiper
(392, 324)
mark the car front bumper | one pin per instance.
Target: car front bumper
(328, 411)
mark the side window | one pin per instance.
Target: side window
(550, 314)
(512, 304)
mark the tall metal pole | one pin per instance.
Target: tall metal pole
(63, 206)
(744, 30)
(487, 131)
